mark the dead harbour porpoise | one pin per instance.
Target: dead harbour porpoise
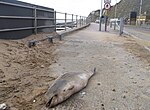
(65, 86)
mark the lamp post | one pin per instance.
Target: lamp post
(116, 9)
(100, 17)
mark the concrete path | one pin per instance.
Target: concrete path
(122, 80)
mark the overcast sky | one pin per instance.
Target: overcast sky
(78, 7)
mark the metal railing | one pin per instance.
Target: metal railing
(118, 25)
(68, 21)
(34, 17)
(65, 21)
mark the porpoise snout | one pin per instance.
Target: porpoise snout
(52, 101)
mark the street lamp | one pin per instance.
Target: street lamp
(116, 9)
(100, 25)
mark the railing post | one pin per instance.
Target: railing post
(72, 21)
(83, 20)
(111, 24)
(65, 21)
(76, 20)
(121, 26)
(35, 20)
(115, 25)
(55, 20)
(86, 20)
(80, 21)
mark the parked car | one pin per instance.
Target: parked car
(97, 21)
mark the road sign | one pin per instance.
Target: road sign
(107, 6)
(107, 1)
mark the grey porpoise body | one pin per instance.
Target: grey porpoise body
(65, 86)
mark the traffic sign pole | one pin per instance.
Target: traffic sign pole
(107, 6)
(106, 20)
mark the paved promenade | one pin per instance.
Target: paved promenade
(122, 78)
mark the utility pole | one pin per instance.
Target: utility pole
(140, 11)
(100, 17)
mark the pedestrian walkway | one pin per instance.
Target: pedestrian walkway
(121, 81)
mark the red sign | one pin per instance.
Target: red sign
(107, 6)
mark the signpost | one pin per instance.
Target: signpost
(107, 6)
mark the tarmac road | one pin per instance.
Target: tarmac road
(122, 80)
(141, 33)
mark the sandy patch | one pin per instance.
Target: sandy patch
(24, 76)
